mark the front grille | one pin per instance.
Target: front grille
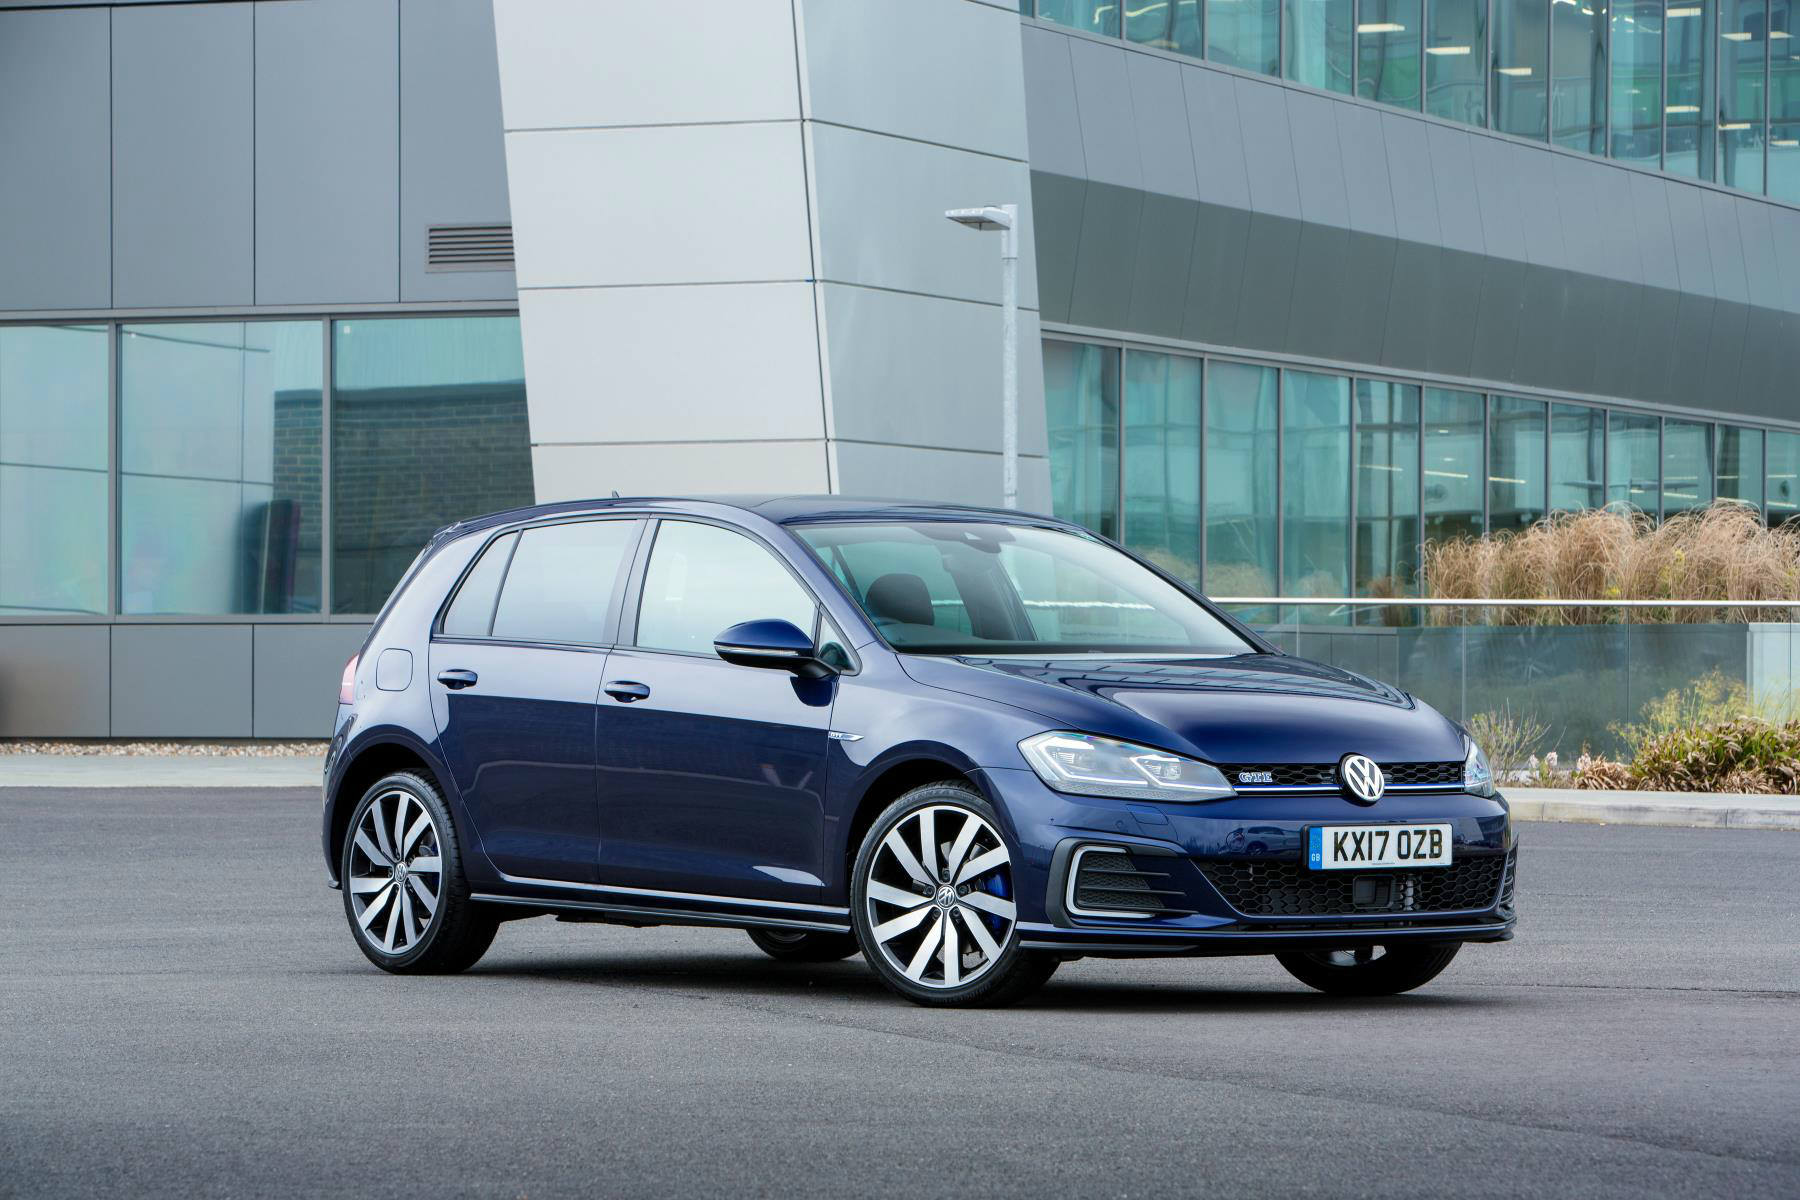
(1289, 889)
(1294, 775)
(1111, 881)
(1512, 877)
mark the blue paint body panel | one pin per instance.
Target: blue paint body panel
(721, 795)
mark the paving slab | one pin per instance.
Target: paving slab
(160, 771)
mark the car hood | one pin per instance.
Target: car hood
(1244, 708)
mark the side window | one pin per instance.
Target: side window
(471, 614)
(702, 580)
(561, 581)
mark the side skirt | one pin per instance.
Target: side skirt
(627, 914)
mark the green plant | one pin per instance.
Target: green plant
(1741, 755)
(1510, 742)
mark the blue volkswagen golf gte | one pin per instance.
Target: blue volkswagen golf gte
(968, 744)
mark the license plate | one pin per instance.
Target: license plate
(1354, 847)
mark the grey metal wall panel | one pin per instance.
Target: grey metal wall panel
(1165, 247)
(1265, 297)
(181, 681)
(1057, 202)
(1102, 97)
(294, 677)
(53, 680)
(1405, 337)
(1618, 247)
(1410, 181)
(327, 152)
(1322, 274)
(182, 99)
(1724, 241)
(1268, 148)
(1367, 186)
(56, 182)
(1340, 231)
(1532, 174)
(452, 155)
(1160, 124)
(1105, 256)
(1687, 224)
(1318, 167)
(1784, 228)
(1216, 274)
(1458, 194)
(1371, 263)
(1452, 312)
(1579, 215)
(1654, 235)
(1724, 353)
(1497, 198)
(1052, 117)
(1218, 136)
(1497, 318)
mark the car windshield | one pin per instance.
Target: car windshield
(983, 588)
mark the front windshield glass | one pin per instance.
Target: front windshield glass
(973, 587)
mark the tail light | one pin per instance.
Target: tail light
(347, 685)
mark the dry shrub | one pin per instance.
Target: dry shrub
(1744, 755)
(1723, 552)
(1510, 742)
(1601, 774)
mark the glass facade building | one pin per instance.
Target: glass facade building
(200, 459)
(1708, 89)
(1256, 480)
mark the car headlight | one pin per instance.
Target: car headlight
(1084, 765)
(1478, 777)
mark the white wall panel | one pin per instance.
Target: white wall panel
(679, 468)
(574, 63)
(952, 476)
(936, 63)
(925, 371)
(880, 211)
(643, 364)
(694, 204)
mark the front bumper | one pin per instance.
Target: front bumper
(1203, 857)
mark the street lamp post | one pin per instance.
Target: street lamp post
(1005, 218)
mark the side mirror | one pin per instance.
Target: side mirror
(771, 643)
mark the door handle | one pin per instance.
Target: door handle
(456, 679)
(626, 690)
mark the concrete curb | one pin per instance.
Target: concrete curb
(1689, 809)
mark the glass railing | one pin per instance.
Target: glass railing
(1584, 670)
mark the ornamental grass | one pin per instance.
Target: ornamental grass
(1723, 552)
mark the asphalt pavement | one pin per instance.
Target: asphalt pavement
(182, 1013)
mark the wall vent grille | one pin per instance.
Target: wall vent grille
(469, 248)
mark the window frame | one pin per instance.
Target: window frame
(631, 602)
(610, 626)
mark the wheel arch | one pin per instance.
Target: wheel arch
(888, 782)
(368, 761)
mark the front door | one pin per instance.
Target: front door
(516, 668)
(711, 776)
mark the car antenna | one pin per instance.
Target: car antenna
(615, 494)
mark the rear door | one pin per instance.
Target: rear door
(712, 776)
(516, 667)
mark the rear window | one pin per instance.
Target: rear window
(548, 583)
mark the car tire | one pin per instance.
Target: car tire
(934, 874)
(803, 946)
(1385, 971)
(409, 910)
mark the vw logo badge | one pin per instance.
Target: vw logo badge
(1362, 778)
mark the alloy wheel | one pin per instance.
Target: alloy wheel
(396, 876)
(939, 896)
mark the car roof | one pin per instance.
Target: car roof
(780, 509)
